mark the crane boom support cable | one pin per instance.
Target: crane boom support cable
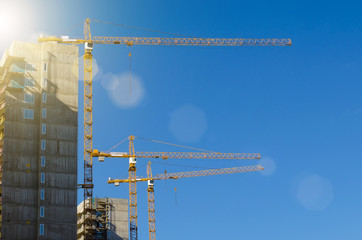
(179, 165)
(176, 145)
(117, 144)
(130, 86)
(140, 28)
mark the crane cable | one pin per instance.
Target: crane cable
(151, 140)
(144, 29)
(176, 145)
(130, 89)
(117, 144)
(179, 165)
(176, 196)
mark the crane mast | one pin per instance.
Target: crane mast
(151, 205)
(88, 133)
(132, 191)
(151, 211)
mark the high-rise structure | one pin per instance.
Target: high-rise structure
(38, 141)
(109, 219)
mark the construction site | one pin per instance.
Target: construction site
(39, 127)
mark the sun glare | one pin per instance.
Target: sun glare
(15, 23)
(9, 20)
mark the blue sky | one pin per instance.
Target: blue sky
(299, 106)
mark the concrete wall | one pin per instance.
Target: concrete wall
(119, 219)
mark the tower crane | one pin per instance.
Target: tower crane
(132, 179)
(89, 42)
(150, 190)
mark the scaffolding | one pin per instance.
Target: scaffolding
(101, 207)
(104, 226)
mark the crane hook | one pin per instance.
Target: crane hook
(130, 88)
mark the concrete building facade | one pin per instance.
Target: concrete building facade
(38, 141)
(109, 219)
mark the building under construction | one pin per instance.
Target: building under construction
(38, 149)
(109, 219)
(38, 141)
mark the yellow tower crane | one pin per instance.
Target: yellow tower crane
(150, 190)
(132, 178)
(89, 42)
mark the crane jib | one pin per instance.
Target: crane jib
(129, 41)
(191, 41)
(197, 155)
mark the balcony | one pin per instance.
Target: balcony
(8, 75)
(16, 69)
(8, 59)
(15, 84)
